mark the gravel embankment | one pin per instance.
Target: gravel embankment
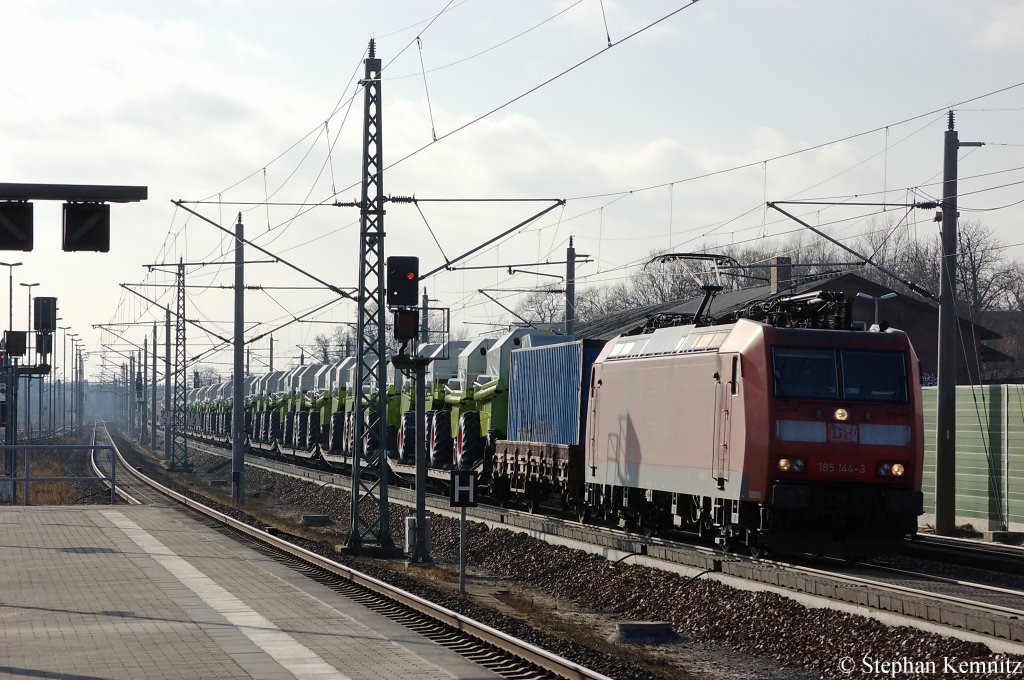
(727, 633)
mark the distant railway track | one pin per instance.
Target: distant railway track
(967, 553)
(483, 644)
(993, 613)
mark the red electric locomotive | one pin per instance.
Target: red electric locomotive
(779, 438)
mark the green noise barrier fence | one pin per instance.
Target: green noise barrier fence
(989, 455)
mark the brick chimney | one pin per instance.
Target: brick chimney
(781, 276)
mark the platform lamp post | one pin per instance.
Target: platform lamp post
(51, 401)
(10, 298)
(64, 380)
(11, 384)
(82, 356)
(28, 358)
(75, 338)
(876, 300)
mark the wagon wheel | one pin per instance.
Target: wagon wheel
(728, 539)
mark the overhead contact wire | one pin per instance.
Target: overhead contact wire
(430, 110)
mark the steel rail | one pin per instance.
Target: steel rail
(95, 467)
(526, 651)
(838, 577)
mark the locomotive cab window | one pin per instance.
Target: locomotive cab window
(874, 376)
(805, 372)
(819, 373)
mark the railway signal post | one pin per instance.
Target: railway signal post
(406, 330)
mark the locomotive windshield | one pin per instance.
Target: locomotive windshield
(874, 376)
(818, 373)
(805, 372)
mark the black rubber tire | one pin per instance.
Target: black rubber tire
(441, 444)
(289, 429)
(392, 442)
(313, 430)
(428, 431)
(350, 433)
(471, 444)
(407, 437)
(299, 429)
(336, 434)
(275, 426)
(371, 436)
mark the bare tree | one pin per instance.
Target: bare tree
(321, 348)
(542, 306)
(984, 277)
(595, 301)
(204, 374)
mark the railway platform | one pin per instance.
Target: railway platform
(151, 592)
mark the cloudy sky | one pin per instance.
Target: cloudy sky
(673, 138)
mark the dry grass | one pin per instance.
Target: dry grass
(46, 464)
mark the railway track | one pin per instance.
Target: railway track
(968, 608)
(967, 553)
(492, 648)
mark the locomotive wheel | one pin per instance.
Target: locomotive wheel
(727, 539)
(758, 551)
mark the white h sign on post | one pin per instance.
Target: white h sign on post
(462, 495)
(463, 489)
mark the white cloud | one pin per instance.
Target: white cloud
(189, 98)
(1005, 28)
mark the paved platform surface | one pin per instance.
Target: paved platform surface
(149, 592)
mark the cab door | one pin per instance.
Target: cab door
(726, 389)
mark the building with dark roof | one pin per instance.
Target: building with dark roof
(917, 316)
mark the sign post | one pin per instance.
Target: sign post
(463, 495)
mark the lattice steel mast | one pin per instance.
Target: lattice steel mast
(178, 459)
(370, 328)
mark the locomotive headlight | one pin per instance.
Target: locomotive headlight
(884, 469)
(841, 414)
(791, 465)
(898, 470)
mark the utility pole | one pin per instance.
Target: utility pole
(945, 420)
(168, 414)
(238, 392)
(142, 391)
(28, 360)
(271, 369)
(152, 396)
(571, 257)
(370, 359)
(424, 320)
(179, 446)
(129, 406)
